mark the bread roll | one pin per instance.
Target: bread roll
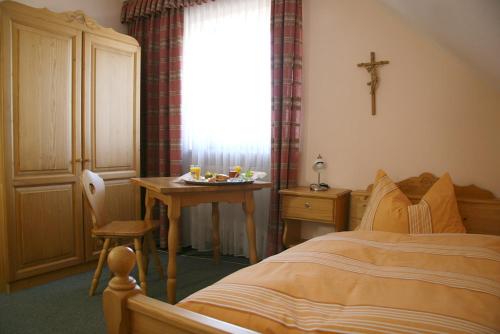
(221, 177)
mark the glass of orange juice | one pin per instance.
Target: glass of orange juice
(234, 171)
(195, 171)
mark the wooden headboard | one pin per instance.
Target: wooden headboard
(479, 208)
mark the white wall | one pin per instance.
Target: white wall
(435, 113)
(470, 28)
(106, 12)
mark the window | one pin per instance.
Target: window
(226, 82)
(226, 108)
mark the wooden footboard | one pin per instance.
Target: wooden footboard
(127, 310)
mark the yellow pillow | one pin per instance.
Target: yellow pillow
(390, 210)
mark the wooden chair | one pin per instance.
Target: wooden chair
(94, 190)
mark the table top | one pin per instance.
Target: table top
(167, 185)
(305, 191)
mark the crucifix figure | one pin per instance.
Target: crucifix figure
(371, 67)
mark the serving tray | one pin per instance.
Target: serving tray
(220, 183)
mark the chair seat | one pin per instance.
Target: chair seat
(126, 228)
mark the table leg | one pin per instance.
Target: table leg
(174, 212)
(140, 266)
(149, 203)
(215, 231)
(249, 207)
(154, 252)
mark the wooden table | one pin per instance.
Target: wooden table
(177, 195)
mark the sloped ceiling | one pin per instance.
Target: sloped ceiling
(470, 28)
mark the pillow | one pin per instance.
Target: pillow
(390, 210)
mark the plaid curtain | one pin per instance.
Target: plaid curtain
(159, 34)
(286, 53)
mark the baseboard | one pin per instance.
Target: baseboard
(48, 277)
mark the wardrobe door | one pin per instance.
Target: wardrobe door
(41, 108)
(111, 124)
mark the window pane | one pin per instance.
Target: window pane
(226, 78)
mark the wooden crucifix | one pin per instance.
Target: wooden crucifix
(371, 67)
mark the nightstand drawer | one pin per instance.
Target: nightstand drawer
(308, 208)
(322, 207)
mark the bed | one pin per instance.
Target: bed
(355, 281)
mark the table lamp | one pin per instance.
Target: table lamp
(319, 165)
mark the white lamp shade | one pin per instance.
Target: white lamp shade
(319, 164)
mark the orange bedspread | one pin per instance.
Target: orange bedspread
(365, 282)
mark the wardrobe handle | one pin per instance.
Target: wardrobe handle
(307, 205)
(84, 163)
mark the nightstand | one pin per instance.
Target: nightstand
(301, 204)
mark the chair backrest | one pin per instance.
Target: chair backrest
(94, 190)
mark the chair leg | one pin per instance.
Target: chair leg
(145, 254)
(116, 243)
(140, 266)
(156, 258)
(100, 265)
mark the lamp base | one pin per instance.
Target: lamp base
(319, 187)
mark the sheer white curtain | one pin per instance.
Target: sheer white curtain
(226, 110)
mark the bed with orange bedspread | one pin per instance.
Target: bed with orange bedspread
(365, 282)
(347, 282)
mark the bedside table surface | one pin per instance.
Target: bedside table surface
(305, 191)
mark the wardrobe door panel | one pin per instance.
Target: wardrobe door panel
(46, 240)
(42, 118)
(43, 123)
(114, 117)
(45, 110)
(112, 114)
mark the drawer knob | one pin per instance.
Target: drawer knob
(307, 205)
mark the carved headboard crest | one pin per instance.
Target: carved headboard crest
(419, 185)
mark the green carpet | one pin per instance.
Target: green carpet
(64, 307)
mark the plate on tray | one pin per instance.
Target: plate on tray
(221, 183)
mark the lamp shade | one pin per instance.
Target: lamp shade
(319, 164)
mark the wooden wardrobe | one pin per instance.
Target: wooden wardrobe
(69, 101)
